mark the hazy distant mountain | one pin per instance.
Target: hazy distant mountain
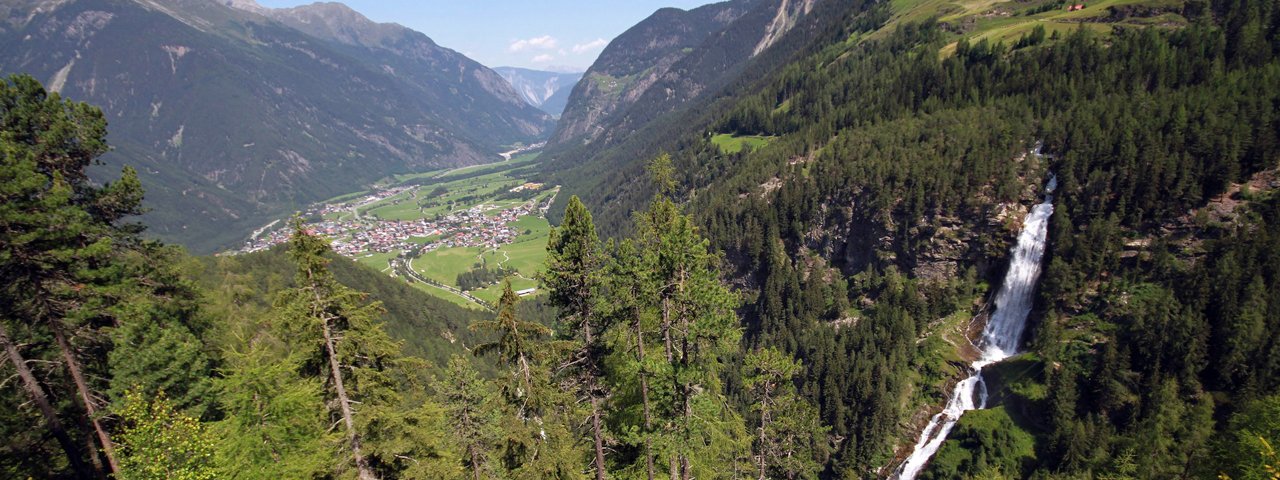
(234, 113)
(548, 91)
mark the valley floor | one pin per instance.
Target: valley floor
(432, 227)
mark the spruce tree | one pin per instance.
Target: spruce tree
(539, 441)
(518, 349)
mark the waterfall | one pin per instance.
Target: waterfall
(1000, 337)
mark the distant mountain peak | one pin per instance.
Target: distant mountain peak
(547, 90)
(247, 5)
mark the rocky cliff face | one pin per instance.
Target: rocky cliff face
(231, 116)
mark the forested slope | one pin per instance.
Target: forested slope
(246, 285)
(894, 172)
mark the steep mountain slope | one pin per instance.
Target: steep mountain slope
(700, 82)
(232, 117)
(548, 91)
(637, 60)
(485, 103)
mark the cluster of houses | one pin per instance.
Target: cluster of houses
(478, 226)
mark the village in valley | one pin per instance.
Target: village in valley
(435, 228)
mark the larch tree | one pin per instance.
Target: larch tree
(275, 423)
(340, 339)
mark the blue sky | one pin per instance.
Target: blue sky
(540, 34)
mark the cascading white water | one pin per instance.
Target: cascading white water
(1000, 337)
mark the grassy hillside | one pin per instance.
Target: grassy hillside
(1009, 21)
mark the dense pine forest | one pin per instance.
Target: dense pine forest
(783, 312)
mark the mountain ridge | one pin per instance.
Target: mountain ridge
(635, 61)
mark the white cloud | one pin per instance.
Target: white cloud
(589, 46)
(545, 42)
(544, 58)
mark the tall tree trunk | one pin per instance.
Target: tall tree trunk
(362, 463)
(475, 462)
(595, 425)
(34, 389)
(82, 387)
(685, 389)
(764, 424)
(666, 330)
(644, 399)
(686, 472)
(92, 448)
(670, 351)
(595, 401)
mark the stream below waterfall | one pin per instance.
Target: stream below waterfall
(999, 338)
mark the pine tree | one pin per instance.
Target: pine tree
(628, 281)
(62, 237)
(573, 279)
(790, 441)
(699, 330)
(157, 344)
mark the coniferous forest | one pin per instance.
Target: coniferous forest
(782, 312)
